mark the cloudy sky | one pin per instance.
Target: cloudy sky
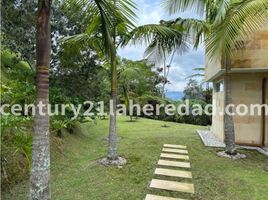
(151, 11)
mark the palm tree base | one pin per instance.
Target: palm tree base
(119, 161)
(235, 156)
(232, 152)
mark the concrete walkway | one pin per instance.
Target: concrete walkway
(210, 140)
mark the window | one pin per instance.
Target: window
(219, 86)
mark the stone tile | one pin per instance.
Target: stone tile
(155, 197)
(175, 146)
(172, 186)
(173, 173)
(174, 156)
(174, 163)
(175, 150)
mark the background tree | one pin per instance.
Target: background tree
(193, 90)
(18, 27)
(136, 78)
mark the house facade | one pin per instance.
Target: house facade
(249, 72)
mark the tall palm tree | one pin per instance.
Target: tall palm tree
(239, 20)
(111, 28)
(112, 19)
(40, 168)
(225, 23)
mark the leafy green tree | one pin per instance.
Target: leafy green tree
(136, 78)
(79, 76)
(17, 87)
(193, 90)
(18, 27)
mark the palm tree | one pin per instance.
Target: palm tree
(110, 28)
(108, 20)
(40, 168)
(239, 20)
(226, 24)
(128, 72)
(162, 42)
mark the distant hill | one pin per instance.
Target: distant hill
(174, 95)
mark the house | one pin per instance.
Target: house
(249, 72)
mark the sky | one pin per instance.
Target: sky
(151, 11)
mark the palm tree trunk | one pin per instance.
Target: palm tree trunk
(165, 75)
(40, 168)
(228, 119)
(112, 148)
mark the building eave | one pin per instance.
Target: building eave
(237, 70)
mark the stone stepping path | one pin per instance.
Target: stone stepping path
(175, 151)
(173, 173)
(155, 197)
(174, 156)
(178, 152)
(175, 146)
(174, 164)
(172, 186)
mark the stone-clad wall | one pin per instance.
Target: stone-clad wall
(249, 67)
(217, 118)
(266, 120)
(212, 68)
(254, 54)
(246, 89)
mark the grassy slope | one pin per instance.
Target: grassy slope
(75, 174)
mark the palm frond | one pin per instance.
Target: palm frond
(159, 39)
(160, 48)
(220, 11)
(106, 26)
(145, 34)
(195, 28)
(103, 17)
(199, 69)
(175, 6)
(194, 76)
(243, 18)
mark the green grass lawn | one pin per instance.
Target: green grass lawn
(76, 175)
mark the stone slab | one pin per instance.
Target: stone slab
(156, 197)
(174, 156)
(174, 163)
(172, 186)
(175, 150)
(173, 173)
(175, 146)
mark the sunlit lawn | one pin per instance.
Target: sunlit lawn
(76, 175)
